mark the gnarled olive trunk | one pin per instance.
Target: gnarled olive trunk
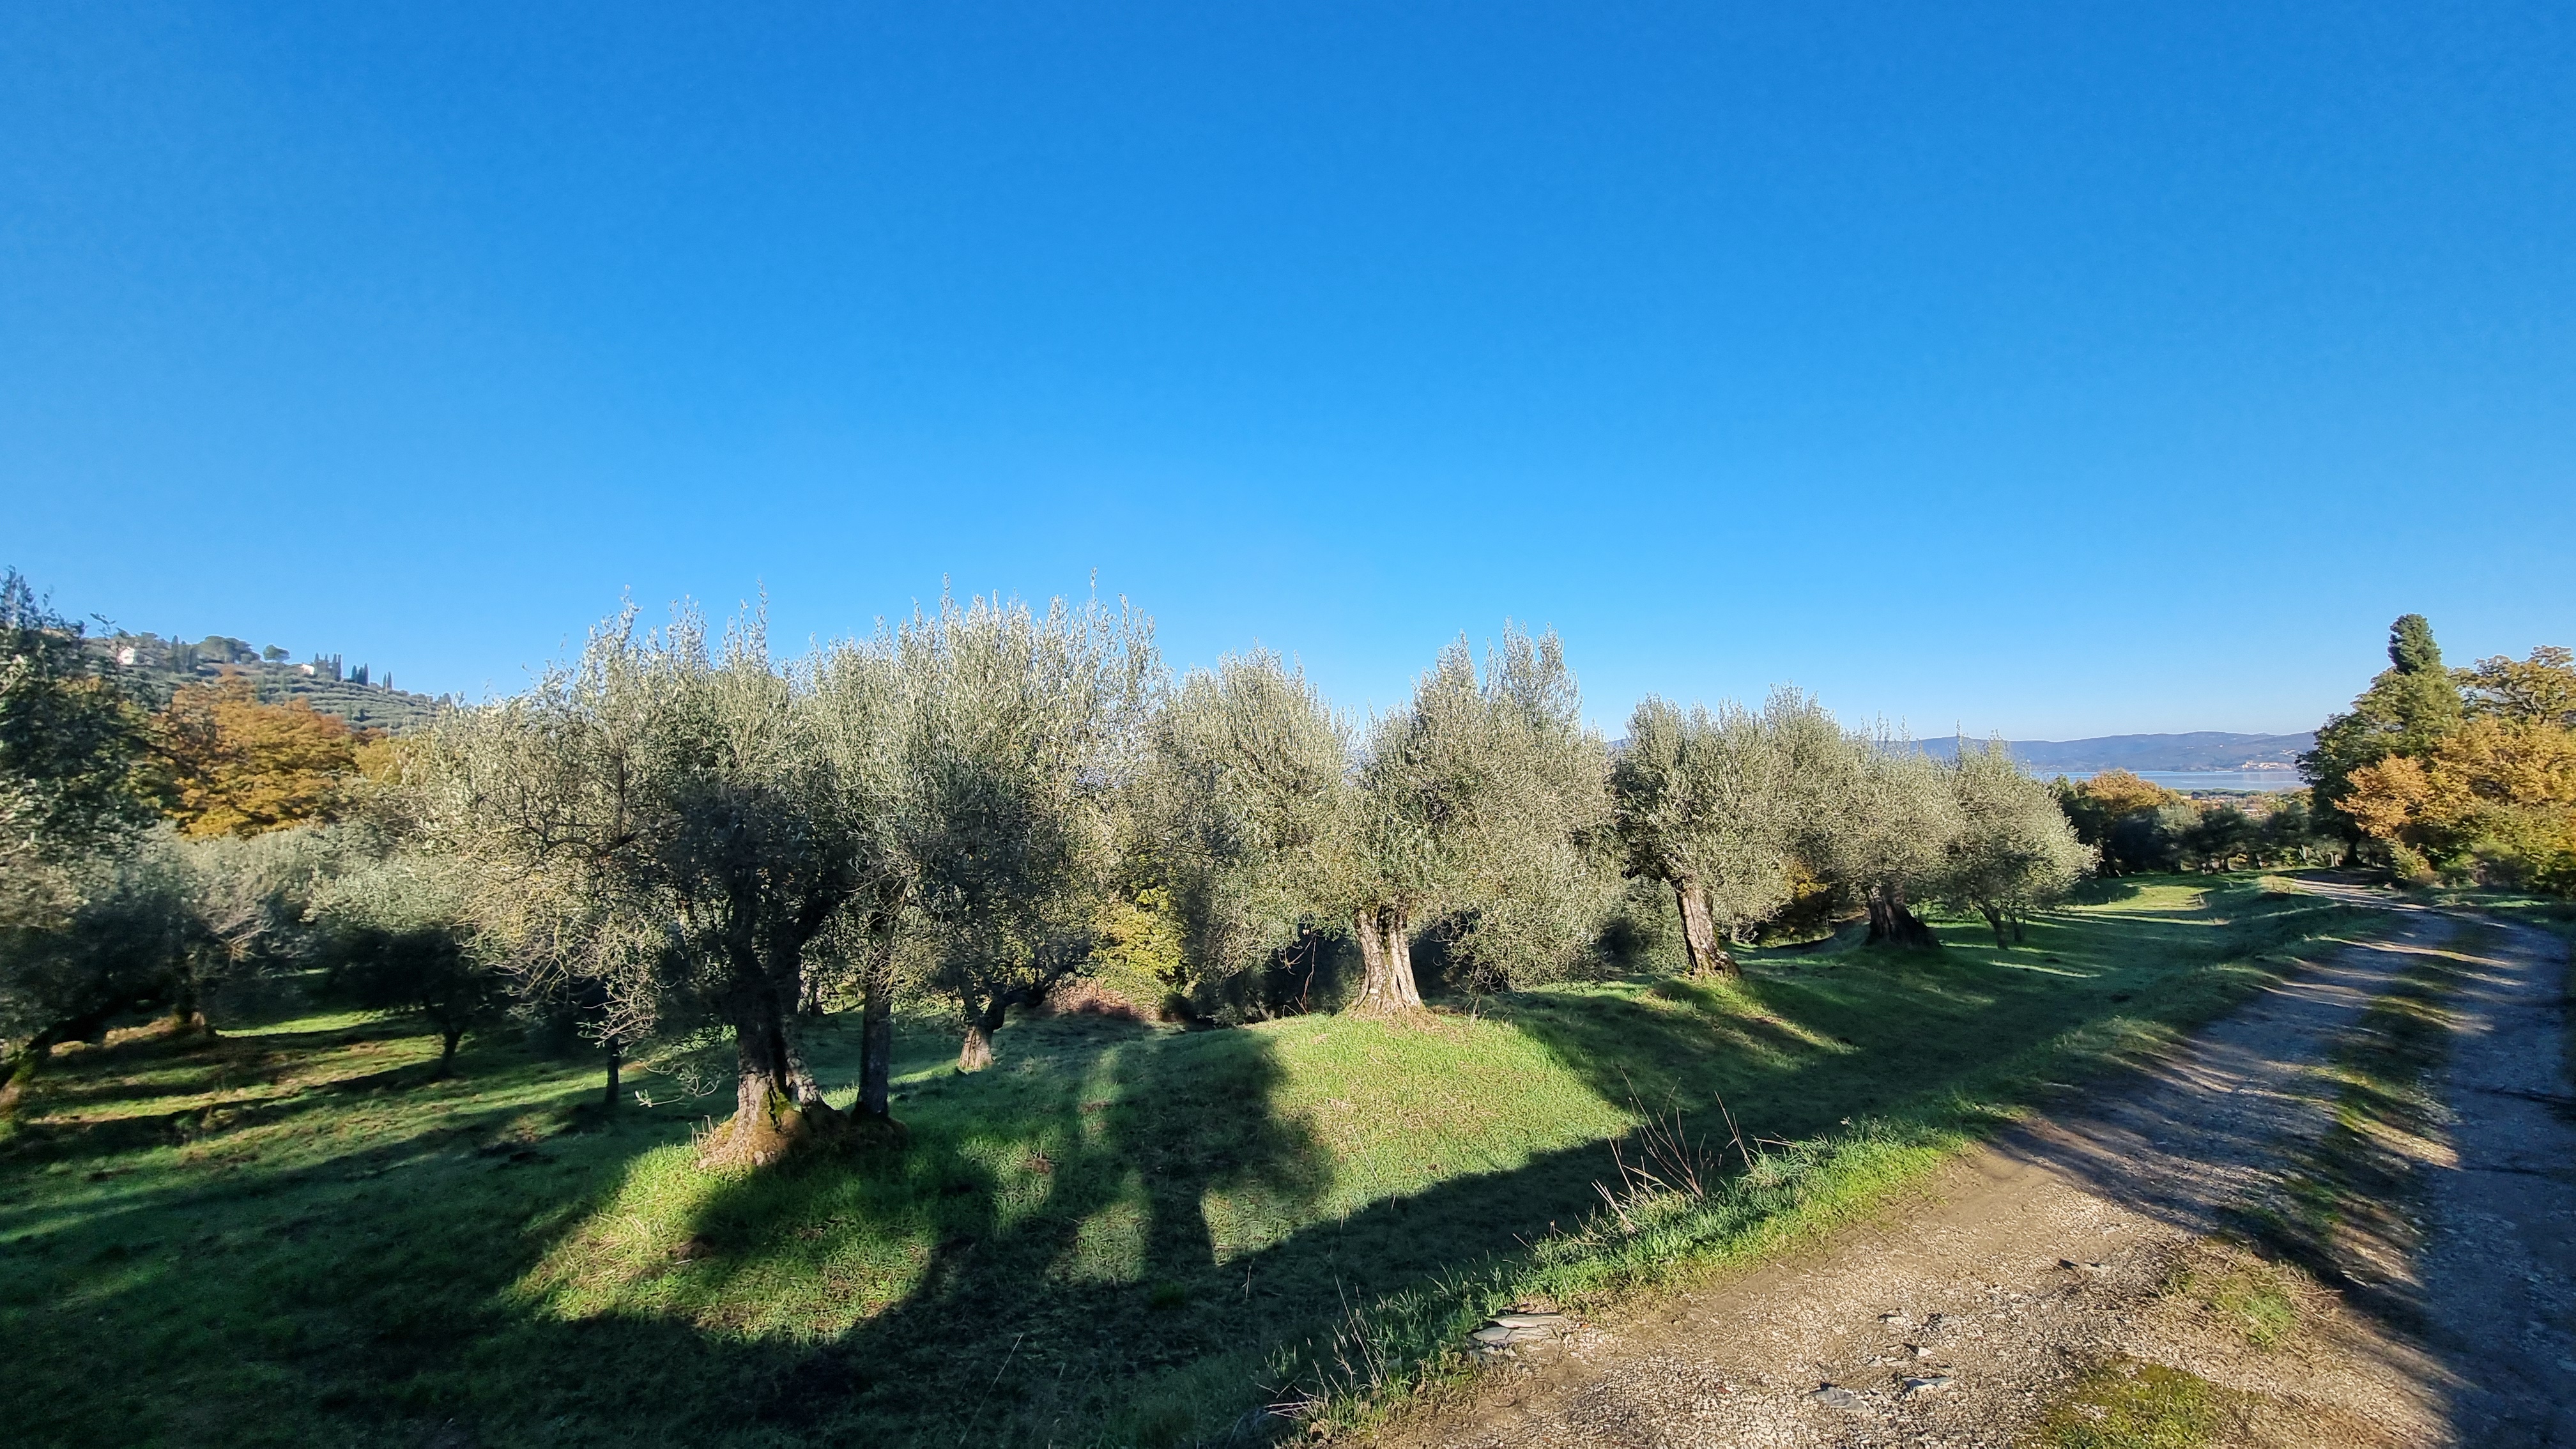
(976, 1052)
(2003, 927)
(776, 1102)
(1386, 962)
(1699, 935)
(1891, 924)
(876, 1019)
(801, 1086)
(876, 1043)
(187, 1012)
(616, 1061)
(760, 1071)
(33, 1054)
(22, 1069)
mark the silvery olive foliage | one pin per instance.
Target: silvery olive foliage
(2014, 851)
(1021, 734)
(124, 932)
(1704, 802)
(689, 836)
(1245, 781)
(1729, 808)
(1539, 870)
(159, 923)
(857, 704)
(656, 818)
(1877, 818)
(1480, 802)
(396, 933)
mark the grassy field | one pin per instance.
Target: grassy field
(1122, 1234)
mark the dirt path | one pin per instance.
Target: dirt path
(2075, 1243)
(2500, 1264)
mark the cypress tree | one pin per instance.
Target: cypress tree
(2410, 708)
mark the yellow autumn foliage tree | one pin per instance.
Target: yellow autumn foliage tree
(2498, 793)
(1137, 953)
(226, 764)
(2121, 792)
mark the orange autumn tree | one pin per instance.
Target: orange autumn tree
(2498, 792)
(226, 764)
(2120, 792)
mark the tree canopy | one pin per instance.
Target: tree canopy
(2407, 710)
(2015, 851)
(223, 763)
(678, 841)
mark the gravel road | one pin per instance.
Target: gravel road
(2500, 1261)
(1957, 1317)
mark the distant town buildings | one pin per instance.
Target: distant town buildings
(324, 681)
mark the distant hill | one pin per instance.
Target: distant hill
(2198, 750)
(154, 668)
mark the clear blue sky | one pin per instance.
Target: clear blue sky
(2055, 368)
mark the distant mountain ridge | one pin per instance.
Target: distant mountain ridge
(2197, 750)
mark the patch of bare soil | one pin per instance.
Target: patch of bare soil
(2071, 1283)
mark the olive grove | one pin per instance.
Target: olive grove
(677, 841)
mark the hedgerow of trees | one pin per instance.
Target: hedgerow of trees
(2136, 825)
(678, 840)
(2466, 775)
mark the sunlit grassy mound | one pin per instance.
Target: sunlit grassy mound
(1120, 1234)
(1094, 1153)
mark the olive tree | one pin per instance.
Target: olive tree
(395, 935)
(1243, 781)
(249, 906)
(117, 944)
(656, 818)
(857, 708)
(1868, 812)
(1021, 732)
(1704, 804)
(152, 925)
(1482, 799)
(69, 743)
(1538, 868)
(2014, 852)
(1890, 840)
(70, 826)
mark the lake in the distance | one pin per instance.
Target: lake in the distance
(2263, 780)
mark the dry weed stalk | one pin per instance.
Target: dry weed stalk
(1671, 1164)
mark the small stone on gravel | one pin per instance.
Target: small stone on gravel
(1929, 1385)
(1835, 1396)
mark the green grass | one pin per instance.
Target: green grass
(2131, 1405)
(2262, 1301)
(1121, 1234)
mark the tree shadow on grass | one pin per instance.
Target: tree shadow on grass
(381, 1292)
(1136, 1288)
(141, 1067)
(1015, 1357)
(1057, 1228)
(1803, 1041)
